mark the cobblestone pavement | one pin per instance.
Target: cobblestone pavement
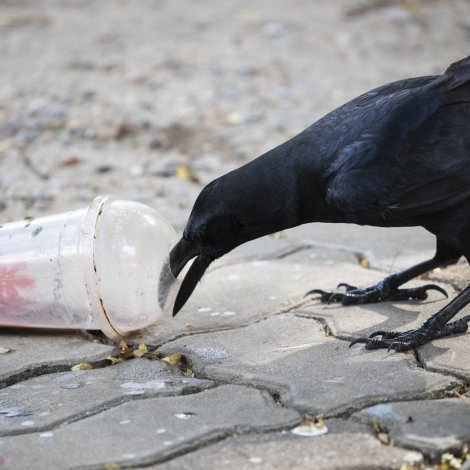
(150, 100)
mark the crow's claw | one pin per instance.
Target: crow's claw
(324, 295)
(415, 293)
(404, 340)
(377, 293)
(348, 287)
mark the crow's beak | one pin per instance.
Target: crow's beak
(180, 255)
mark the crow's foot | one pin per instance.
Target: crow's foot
(404, 340)
(378, 293)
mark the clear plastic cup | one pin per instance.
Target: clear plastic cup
(97, 268)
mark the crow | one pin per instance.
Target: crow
(396, 156)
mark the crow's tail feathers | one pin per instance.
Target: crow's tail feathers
(459, 73)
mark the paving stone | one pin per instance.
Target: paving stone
(46, 401)
(449, 355)
(281, 246)
(261, 248)
(233, 295)
(385, 247)
(431, 426)
(143, 431)
(31, 350)
(293, 357)
(345, 446)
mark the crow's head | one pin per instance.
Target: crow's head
(256, 199)
(218, 223)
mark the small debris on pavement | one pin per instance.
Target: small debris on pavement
(310, 427)
(81, 366)
(173, 359)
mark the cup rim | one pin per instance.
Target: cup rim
(87, 249)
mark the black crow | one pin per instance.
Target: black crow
(396, 156)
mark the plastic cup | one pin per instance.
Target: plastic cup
(97, 268)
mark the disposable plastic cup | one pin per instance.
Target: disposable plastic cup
(97, 268)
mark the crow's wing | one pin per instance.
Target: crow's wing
(406, 152)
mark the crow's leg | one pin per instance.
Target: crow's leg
(436, 326)
(387, 288)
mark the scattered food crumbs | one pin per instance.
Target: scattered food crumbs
(173, 359)
(112, 360)
(36, 231)
(185, 173)
(4, 350)
(81, 366)
(310, 427)
(363, 261)
(188, 325)
(412, 461)
(383, 437)
(140, 351)
(111, 466)
(188, 373)
(450, 462)
(125, 350)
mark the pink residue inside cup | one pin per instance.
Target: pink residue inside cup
(13, 278)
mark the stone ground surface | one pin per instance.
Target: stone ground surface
(151, 100)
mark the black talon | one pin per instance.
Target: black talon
(348, 287)
(377, 293)
(317, 291)
(358, 340)
(378, 333)
(435, 287)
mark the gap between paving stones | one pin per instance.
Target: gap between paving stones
(46, 369)
(188, 448)
(209, 440)
(102, 407)
(289, 251)
(433, 395)
(286, 309)
(42, 370)
(196, 444)
(343, 414)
